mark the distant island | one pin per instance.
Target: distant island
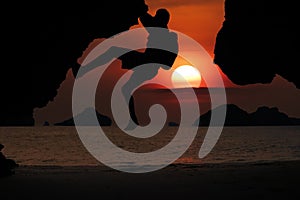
(235, 116)
(263, 116)
(85, 119)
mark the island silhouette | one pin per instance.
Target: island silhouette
(235, 116)
(85, 119)
(263, 116)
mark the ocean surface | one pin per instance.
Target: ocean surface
(61, 146)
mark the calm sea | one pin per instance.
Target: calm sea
(61, 146)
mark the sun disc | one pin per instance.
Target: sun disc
(186, 76)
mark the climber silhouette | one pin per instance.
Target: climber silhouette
(150, 61)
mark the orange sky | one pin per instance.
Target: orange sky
(198, 19)
(201, 20)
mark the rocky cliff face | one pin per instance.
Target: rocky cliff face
(259, 39)
(43, 41)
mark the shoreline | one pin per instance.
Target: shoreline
(263, 180)
(205, 165)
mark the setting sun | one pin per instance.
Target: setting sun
(186, 76)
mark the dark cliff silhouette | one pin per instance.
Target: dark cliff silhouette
(42, 41)
(263, 116)
(7, 165)
(258, 40)
(85, 119)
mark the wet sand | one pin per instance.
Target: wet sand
(208, 181)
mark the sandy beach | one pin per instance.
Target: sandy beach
(208, 181)
(247, 163)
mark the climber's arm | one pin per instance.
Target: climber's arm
(147, 20)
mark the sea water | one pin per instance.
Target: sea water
(61, 146)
